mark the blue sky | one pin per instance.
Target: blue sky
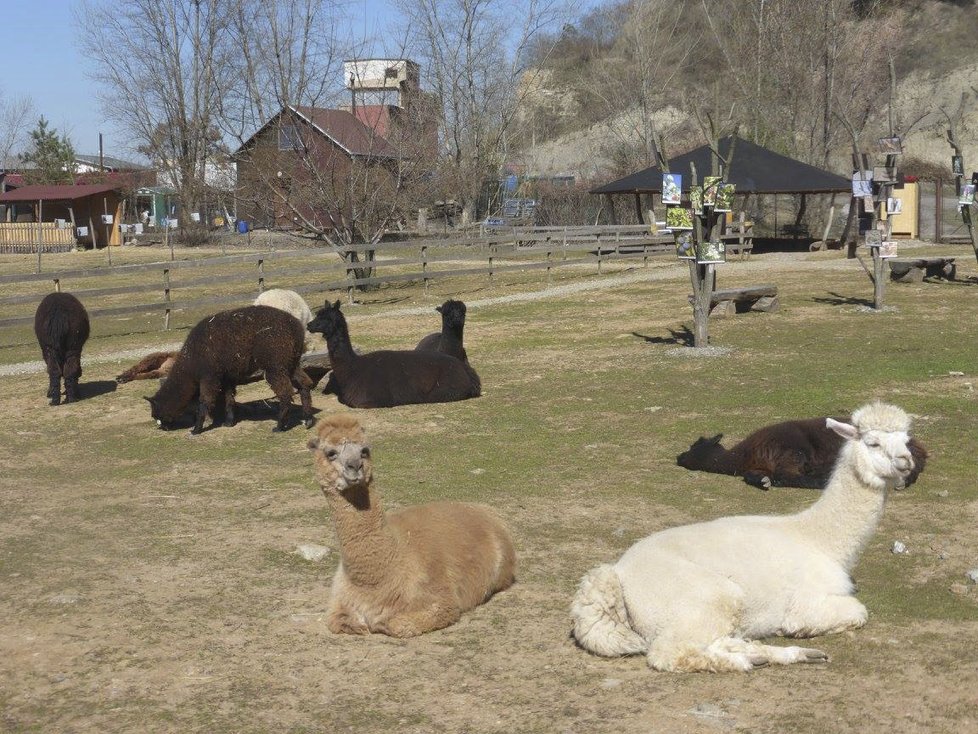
(45, 61)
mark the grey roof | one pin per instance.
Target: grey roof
(111, 163)
(755, 169)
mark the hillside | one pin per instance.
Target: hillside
(567, 132)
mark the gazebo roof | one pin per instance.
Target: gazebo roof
(755, 169)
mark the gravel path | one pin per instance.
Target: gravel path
(769, 263)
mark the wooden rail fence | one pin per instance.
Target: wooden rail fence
(393, 262)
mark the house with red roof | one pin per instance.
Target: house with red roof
(302, 162)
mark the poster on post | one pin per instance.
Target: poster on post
(711, 252)
(672, 188)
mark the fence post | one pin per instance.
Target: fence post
(166, 298)
(549, 252)
(261, 275)
(57, 285)
(564, 249)
(424, 267)
(492, 250)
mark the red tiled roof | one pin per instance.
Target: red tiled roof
(347, 131)
(56, 193)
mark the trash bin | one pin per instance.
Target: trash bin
(242, 226)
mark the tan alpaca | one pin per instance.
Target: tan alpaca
(412, 571)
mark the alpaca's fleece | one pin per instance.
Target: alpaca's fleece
(700, 595)
(881, 417)
(412, 571)
(61, 326)
(293, 304)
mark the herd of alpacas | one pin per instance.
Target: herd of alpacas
(690, 598)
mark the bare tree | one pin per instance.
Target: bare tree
(637, 80)
(15, 116)
(472, 52)
(162, 68)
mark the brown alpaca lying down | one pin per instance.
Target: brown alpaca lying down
(798, 453)
(410, 571)
(155, 364)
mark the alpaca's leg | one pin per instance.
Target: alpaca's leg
(54, 375)
(303, 382)
(760, 654)
(72, 373)
(412, 624)
(281, 385)
(756, 478)
(823, 615)
(687, 613)
(229, 394)
(341, 622)
(210, 388)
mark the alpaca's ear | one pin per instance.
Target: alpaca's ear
(846, 430)
(149, 400)
(336, 305)
(438, 309)
(716, 438)
(313, 443)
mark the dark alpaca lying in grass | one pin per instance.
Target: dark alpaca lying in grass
(61, 326)
(449, 339)
(386, 378)
(798, 453)
(226, 350)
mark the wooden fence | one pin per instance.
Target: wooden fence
(22, 237)
(421, 261)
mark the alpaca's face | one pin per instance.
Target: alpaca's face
(342, 466)
(888, 455)
(452, 313)
(700, 449)
(327, 320)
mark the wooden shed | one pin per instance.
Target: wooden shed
(60, 217)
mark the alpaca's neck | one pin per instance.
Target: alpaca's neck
(451, 338)
(338, 345)
(845, 517)
(179, 388)
(366, 543)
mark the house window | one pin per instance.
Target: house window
(288, 138)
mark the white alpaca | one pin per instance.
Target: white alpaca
(292, 303)
(692, 598)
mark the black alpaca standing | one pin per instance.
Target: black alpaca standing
(797, 453)
(386, 378)
(226, 350)
(449, 339)
(61, 326)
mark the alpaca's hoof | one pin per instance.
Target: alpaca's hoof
(765, 482)
(309, 422)
(55, 401)
(278, 429)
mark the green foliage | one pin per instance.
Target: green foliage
(52, 157)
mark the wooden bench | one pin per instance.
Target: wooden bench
(730, 301)
(914, 270)
(316, 365)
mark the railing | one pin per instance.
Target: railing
(192, 284)
(22, 238)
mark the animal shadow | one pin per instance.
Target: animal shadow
(263, 410)
(95, 388)
(681, 336)
(837, 299)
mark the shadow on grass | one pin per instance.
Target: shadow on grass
(681, 336)
(95, 388)
(836, 299)
(259, 410)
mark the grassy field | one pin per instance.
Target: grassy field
(150, 581)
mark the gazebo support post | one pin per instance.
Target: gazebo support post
(611, 208)
(638, 208)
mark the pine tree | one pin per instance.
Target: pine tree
(53, 157)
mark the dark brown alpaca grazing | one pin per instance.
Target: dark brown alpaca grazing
(225, 350)
(449, 339)
(798, 453)
(61, 326)
(386, 378)
(154, 364)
